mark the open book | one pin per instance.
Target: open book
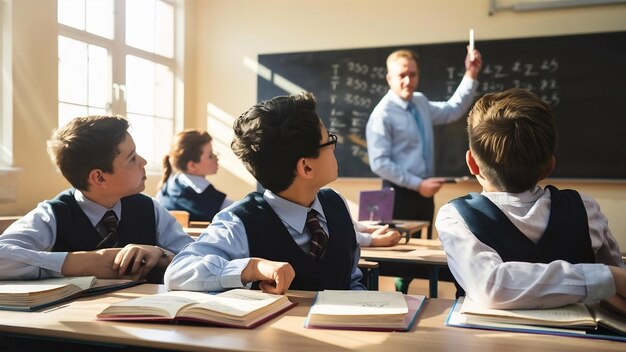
(235, 308)
(30, 295)
(594, 321)
(364, 310)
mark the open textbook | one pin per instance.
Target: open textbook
(591, 321)
(240, 308)
(364, 310)
(30, 295)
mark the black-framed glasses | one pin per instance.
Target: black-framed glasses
(332, 141)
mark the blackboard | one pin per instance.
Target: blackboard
(583, 78)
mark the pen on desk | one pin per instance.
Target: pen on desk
(471, 44)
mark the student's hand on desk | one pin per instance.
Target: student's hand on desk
(430, 186)
(274, 277)
(136, 260)
(385, 237)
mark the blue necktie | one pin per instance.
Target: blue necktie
(426, 143)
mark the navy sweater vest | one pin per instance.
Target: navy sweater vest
(76, 233)
(269, 239)
(201, 206)
(566, 237)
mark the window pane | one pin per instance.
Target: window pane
(164, 29)
(100, 17)
(164, 91)
(96, 111)
(73, 71)
(140, 15)
(142, 129)
(71, 13)
(99, 77)
(68, 112)
(163, 138)
(139, 85)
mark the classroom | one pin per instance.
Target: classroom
(216, 74)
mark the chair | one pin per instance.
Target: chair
(370, 274)
(6, 221)
(182, 216)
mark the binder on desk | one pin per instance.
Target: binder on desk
(376, 205)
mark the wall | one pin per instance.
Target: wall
(235, 32)
(223, 40)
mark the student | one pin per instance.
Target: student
(102, 226)
(294, 234)
(188, 189)
(518, 245)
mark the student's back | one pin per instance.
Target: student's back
(518, 245)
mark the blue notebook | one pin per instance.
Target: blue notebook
(607, 325)
(376, 205)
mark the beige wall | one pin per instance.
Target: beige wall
(224, 37)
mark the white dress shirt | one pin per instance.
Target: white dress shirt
(215, 261)
(25, 247)
(509, 285)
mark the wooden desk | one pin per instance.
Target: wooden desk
(75, 321)
(408, 227)
(418, 252)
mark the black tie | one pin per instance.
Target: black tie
(319, 238)
(109, 221)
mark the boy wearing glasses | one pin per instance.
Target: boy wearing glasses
(103, 226)
(294, 234)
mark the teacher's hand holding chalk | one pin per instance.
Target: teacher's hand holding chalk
(473, 60)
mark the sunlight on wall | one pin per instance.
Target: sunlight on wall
(267, 74)
(220, 126)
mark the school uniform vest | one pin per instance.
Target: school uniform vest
(76, 233)
(201, 206)
(268, 238)
(566, 236)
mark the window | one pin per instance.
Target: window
(118, 57)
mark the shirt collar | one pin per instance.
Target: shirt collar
(395, 98)
(198, 183)
(95, 211)
(291, 213)
(516, 199)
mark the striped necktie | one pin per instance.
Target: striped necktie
(319, 238)
(109, 222)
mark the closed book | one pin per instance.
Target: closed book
(364, 310)
(238, 308)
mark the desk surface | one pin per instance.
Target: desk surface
(76, 321)
(418, 251)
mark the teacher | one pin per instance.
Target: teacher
(399, 134)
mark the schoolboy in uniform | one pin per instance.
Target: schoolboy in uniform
(102, 226)
(293, 235)
(518, 245)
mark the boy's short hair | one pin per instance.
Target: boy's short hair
(403, 53)
(272, 135)
(513, 135)
(85, 144)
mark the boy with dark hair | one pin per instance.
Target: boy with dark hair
(103, 226)
(518, 245)
(295, 234)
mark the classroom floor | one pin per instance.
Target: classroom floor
(418, 287)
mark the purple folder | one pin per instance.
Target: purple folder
(376, 205)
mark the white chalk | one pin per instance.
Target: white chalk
(471, 44)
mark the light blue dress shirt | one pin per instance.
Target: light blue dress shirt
(25, 246)
(394, 146)
(215, 261)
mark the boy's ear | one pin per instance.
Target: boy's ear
(471, 163)
(304, 168)
(549, 168)
(96, 178)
